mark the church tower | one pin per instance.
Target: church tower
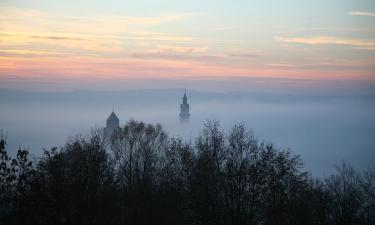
(113, 123)
(184, 109)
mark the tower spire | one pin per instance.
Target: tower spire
(184, 109)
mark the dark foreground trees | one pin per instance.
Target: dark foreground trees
(141, 176)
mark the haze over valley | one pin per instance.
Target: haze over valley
(324, 130)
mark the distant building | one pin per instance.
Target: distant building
(113, 123)
(184, 109)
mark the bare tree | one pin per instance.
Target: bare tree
(137, 148)
(346, 195)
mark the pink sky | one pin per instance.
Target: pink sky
(41, 46)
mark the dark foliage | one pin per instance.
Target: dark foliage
(141, 176)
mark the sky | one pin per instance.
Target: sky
(206, 44)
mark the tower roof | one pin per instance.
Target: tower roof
(113, 116)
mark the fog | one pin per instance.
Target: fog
(324, 130)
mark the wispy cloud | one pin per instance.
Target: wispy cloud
(282, 65)
(365, 44)
(27, 20)
(220, 28)
(190, 53)
(244, 55)
(29, 52)
(173, 52)
(57, 38)
(31, 32)
(358, 13)
(55, 42)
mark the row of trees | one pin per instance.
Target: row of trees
(141, 176)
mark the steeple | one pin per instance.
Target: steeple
(184, 99)
(184, 109)
(113, 123)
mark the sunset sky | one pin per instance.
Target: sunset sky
(91, 44)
